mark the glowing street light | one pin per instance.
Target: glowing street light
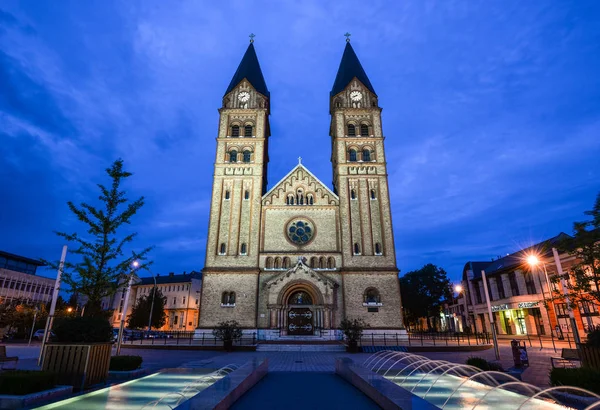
(533, 260)
(134, 265)
(69, 309)
(458, 288)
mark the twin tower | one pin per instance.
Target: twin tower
(297, 258)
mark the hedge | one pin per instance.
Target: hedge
(583, 377)
(21, 382)
(83, 330)
(483, 364)
(125, 363)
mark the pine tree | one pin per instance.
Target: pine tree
(102, 267)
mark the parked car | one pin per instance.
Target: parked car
(39, 334)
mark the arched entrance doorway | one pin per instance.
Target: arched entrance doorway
(300, 314)
(302, 311)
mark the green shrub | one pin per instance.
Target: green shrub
(21, 382)
(584, 377)
(125, 363)
(83, 330)
(228, 331)
(478, 362)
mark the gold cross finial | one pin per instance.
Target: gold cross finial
(252, 37)
(347, 35)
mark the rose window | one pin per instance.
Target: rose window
(300, 232)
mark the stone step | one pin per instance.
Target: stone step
(267, 347)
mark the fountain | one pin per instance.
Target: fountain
(459, 386)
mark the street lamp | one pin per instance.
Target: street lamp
(134, 265)
(152, 304)
(459, 289)
(534, 261)
(69, 309)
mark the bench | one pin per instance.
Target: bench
(569, 359)
(5, 359)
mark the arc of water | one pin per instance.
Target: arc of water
(416, 362)
(555, 388)
(472, 378)
(373, 357)
(593, 405)
(503, 386)
(413, 358)
(383, 357)
(401, 354)
(427, 363)
(455, 366)
(446, 363)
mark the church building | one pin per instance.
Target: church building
(298, 257)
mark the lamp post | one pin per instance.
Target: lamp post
(534, 261)
(152, 304)
(459, 289)
(134, 265)
(489, 306)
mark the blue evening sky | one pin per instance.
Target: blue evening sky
(491, 113)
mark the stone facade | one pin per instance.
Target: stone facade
(300, 255)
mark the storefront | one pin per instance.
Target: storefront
(522, 319)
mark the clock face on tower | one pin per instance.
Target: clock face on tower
(244, 96)
(356, 96)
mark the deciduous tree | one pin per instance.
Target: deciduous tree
(140, 313)
(423, 291)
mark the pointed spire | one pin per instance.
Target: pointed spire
(350, 67)
(249, 69)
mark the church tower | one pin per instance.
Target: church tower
(361, 181)
(230, 274)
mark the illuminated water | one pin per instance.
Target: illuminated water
(469, 394)
(171, 387)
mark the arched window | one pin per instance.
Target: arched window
(227, 194)
(269, 263)
(352, 155)
(371, 296)
(377, 248)
(233, 156)
(331, 263)
(247, 156)
(286, 262)
(364, 130)
(228, 298)
(356, 248)
(310, 200)
(313, 262)
(248, 131)
(235, 130)
(289, 200)
(246, 195)
(373, 194)
(351, 130)
(300, 198)
(352, 194)
(222, 249)
(322, 263)
(243, 249)
(278, 263)
(366, 155)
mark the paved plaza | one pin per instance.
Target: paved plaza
(299, 361)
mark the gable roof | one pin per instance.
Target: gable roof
(303, 168)
(350, 67)
(249, 69)
(515, 259)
